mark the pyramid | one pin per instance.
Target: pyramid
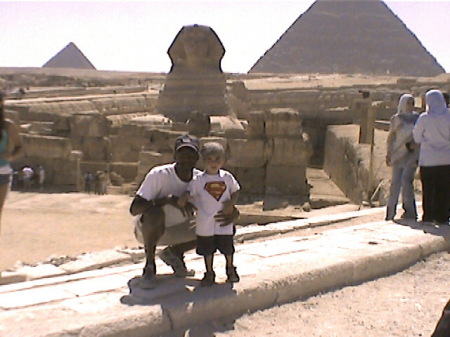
(348, 37)
(69, 57)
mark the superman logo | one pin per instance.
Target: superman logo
(216, 189)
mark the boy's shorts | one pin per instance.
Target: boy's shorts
(207, 245)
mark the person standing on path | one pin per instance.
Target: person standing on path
(10, 148)
(402, 155)
(162, 186)
(41, 177)
(214, 190)
(432, 132)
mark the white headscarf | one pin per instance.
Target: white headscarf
(401, 108)
(435, 102)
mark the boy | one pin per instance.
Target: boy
(213, 190)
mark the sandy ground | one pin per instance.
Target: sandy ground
(407, 304)
(37, 225)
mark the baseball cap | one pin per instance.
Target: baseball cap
(187, 141)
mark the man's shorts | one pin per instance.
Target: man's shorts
(178, 229)
(207, 245)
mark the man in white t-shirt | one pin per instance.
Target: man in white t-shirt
(161, 187)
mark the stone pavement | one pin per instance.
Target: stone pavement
(276, 270)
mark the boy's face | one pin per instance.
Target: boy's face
(213, 163)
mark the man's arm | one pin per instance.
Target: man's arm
(226, 219)
(139, 205)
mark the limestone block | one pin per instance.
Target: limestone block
(247, 152)
(225, 123)
(132, 130)
(40, 271)
(61, 126)
(283, 122)
(150, 159)
(256, 124)
(41, 128)
(123, 104)
(289, 151)
(65, 172)
(252, 180)
(286, 180)
(46, 146)
(88, 124)
(163, 140)
(128, 171)
(95, 148)
(13, 115)
(125, 149)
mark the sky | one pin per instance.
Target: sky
(135, 35)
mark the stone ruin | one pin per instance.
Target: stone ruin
(271, 135)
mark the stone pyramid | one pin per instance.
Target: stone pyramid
(348, 37)
(69, 57)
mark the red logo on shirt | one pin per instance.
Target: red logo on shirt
(216, 189)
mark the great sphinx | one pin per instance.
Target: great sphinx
(196, 81)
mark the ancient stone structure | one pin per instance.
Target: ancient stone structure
(69, 57)
(270, 144)
(348, 37)
(196, 81)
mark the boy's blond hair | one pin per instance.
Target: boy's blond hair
(212, 148)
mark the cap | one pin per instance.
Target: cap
(187, 141)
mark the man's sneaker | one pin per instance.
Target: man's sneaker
(232, 275)
(209, 278)
(175, 263)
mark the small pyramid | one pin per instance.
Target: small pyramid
(348, 37)
(69, 57)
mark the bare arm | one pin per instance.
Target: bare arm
(230, 204)
(139, 205)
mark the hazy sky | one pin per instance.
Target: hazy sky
(135, 35)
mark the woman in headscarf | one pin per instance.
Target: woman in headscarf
(402, 155)
(432, 131)
(10, 148)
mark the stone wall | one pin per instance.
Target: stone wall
(348, 164)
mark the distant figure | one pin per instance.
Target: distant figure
(104, 180)
(27, 176)
(41, 177)
(402, 156)
(432, 131)
(214, 190)
(88, 181)
(10, 149)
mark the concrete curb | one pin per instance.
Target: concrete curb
(111, 257)
(273, 289)
(277, 271)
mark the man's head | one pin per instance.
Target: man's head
(186, 151)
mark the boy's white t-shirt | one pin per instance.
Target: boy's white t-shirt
(208, 193)
(162, 181)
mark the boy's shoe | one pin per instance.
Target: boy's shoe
(147, 281)
(409, 216)
(440, 224)
(232, 275)
(175, 263)
(208, 279)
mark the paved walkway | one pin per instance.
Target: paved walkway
(109, 301)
